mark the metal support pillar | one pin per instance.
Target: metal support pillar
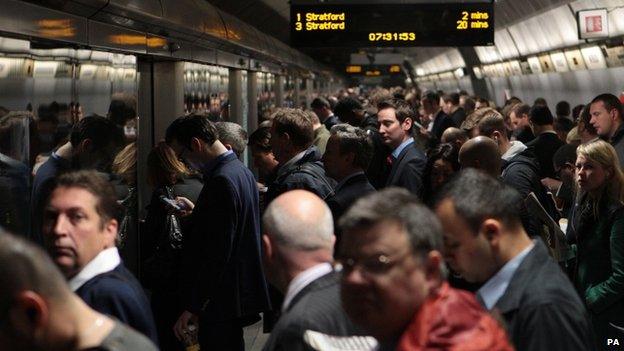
(252, 101)
(280, 81)
(235, 96)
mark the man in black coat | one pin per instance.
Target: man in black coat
(519, 169)
(223, 285)
(408, 163)
(351, 111)
(300, 165)
(349, 150)
(298, 255)
(79, 230)
(546, 142)
(440, 121)
(486, 243)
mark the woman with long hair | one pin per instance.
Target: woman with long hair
(162, 238)
(598, 231)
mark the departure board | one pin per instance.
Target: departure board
(382, 24)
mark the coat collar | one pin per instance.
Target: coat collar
(536, 258)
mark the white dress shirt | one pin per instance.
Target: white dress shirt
(104, 262)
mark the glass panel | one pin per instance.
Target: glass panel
(206, 89)
(49, 89)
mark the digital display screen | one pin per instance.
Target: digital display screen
(371, 25)
(373, 70)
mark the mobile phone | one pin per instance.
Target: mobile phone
(171, 203)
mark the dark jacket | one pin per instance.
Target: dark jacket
(222, 276)
(544, 147)
(407, 170)
(599, 276)
(618, 143)
(317, 307)
(541, 309)
(351, 190)
(331, 121)
(458, 117)
(522, 173)
(378, 168)
(307, 173)
(119, 294)
(441, 122)
(525, 135)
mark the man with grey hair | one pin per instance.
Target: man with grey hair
(348, 153)
(298, 246)
(233, 137)
(39, 312)
(393, 281)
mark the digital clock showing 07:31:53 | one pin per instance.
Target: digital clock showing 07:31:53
(391, 36)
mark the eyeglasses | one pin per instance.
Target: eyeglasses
(374, 265)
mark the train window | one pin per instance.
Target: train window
(48, 88)
(206, 89)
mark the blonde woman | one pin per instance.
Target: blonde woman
(598, 230)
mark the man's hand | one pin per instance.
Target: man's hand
(181, 326)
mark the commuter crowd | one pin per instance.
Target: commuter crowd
(381, 219)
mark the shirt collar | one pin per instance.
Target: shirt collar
(496, 286)
(346, 179)
(304, 279)
(400, 148)
(104, 262)
(283, 169)
(210, 165)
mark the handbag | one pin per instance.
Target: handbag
(160, 269)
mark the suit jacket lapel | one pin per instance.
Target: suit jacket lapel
(397, 163)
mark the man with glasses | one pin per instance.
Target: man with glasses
(393, 279)
(298, 246)
(223, 285)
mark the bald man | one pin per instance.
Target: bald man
(481, 153)
(454, 136)
(298, 243)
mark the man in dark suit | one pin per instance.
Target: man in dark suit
(351, 111)
(440, 121)
(223, 285)
(322, 109)
(453, 109)
(486, 243)
(298, 253)
(546, 142)
(80, 230)
(408, 163)
(349, 150)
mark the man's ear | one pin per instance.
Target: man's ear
(85, 144)
(111, 227)
(433, 263)
(227, 146)
(491, 228)
(407, 124)
(267, 246)
(196, 144)
(29, 314)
